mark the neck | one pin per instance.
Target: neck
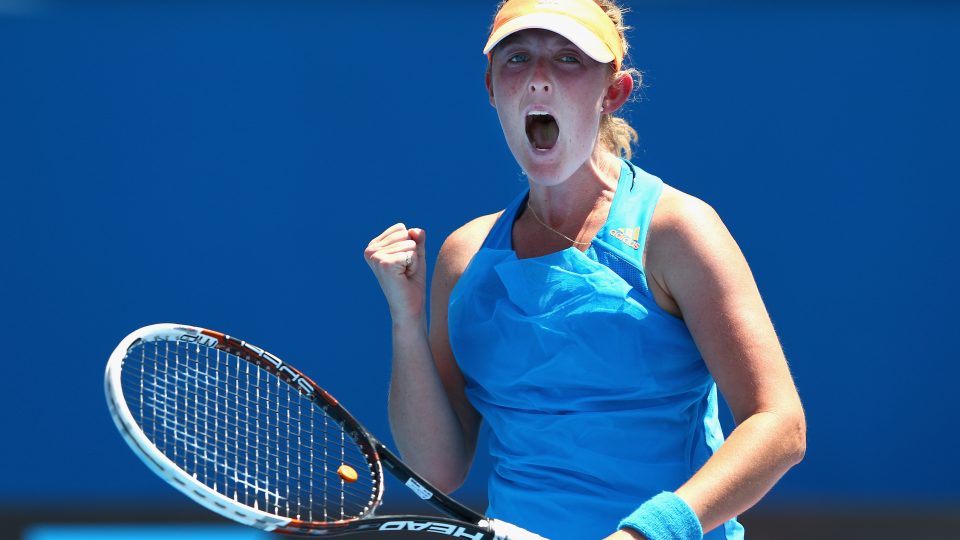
(571, 205)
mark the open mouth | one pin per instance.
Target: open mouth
(542, 130)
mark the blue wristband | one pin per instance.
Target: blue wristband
(665, 517)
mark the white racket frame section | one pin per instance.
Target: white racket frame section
(151, 455)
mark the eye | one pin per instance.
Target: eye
(569, 59)
(518, 58)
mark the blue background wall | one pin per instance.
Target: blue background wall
(225, 166)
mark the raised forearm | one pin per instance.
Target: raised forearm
(424, 425)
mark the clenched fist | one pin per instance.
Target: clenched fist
(397, 259)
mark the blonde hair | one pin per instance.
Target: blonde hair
(616, 135)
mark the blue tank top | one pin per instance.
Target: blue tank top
(593, 398)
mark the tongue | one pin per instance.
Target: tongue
(544, 133)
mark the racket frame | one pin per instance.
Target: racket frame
(462, 523)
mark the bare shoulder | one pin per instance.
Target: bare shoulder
(682, 224)
(687, 237)
(681, 213)
(460, 247)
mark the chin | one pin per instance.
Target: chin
(545, 175)
(549, 168)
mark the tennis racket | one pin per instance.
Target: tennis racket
(250, 437)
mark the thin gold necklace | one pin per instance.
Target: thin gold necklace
(540, 221)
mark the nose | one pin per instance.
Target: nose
(540, 79)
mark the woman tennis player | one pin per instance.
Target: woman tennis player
(588, 325)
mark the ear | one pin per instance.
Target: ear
(617, 93)
(489, 82)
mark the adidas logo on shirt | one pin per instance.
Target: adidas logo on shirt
(627, 235)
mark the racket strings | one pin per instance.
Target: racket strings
(164, 404)
(244, 432)
(290, 467)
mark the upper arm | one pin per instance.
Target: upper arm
(696, 261)
(455, 254)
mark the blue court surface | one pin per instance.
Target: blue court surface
(143, 532)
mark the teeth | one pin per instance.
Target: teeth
(538, 113)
